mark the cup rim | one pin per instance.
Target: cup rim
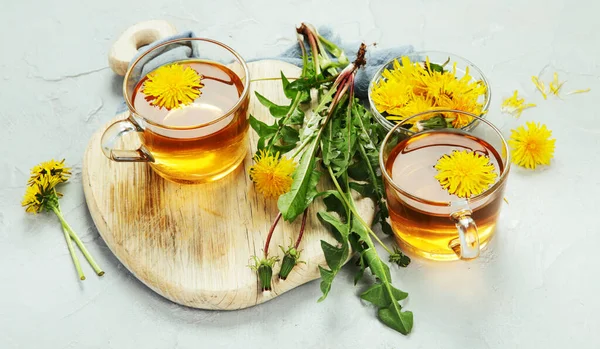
(476, 198)
(232, 110)
(388, 125)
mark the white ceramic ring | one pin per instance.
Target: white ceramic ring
(136, 36)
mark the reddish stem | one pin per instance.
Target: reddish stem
(301, 229)
(268, 242)
(312, 42)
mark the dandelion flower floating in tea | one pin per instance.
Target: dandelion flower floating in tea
(173, 85)
(515, 105)
(272, 174)
(531, 145)
(411, 88)
(465, 173)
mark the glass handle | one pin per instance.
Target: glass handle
(466, 246)
(113, 133)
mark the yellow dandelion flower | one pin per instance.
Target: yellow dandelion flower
(391, 96)
(409, 88)
(415, 106)
(173, 85)
(52, 168)
(515, 105)
(30, 200)
(40, 194)
(531, 146)
(272, 174)
(465, 173)
(464, 103)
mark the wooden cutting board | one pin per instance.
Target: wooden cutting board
(192, 243)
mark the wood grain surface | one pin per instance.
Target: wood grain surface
(192, 243)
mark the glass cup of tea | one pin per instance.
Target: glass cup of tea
(426, 219)
(201, 140)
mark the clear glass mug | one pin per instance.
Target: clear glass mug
(197, 143)
(462, 67)
(426, 219)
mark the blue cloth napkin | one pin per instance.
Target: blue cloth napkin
(375, 57)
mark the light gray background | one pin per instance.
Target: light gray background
(537, 286)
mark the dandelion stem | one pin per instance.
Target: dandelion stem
(352, 208)
(301, 229)
(268, 242)
(272, 79)
(70, 245)
(79, 243)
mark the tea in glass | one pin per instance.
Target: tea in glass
(209, 152)
(188, 102)
(426, 218)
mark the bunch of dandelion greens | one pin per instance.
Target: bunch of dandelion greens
(41, 195)
(339, 140)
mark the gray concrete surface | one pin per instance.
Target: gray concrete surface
(536, 287)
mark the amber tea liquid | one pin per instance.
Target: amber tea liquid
(427, 229)
(205, 153)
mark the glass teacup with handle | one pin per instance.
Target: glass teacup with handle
(444, 222)
(188, 102)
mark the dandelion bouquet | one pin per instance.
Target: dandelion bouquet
(417, 83)
(335, 139)
(42, 195)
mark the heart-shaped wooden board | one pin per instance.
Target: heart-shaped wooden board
(192, 243)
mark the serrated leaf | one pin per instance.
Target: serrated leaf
(288, 138)
(297, 117)
(358, 172)
(327, 277)
(304, 186)
(398, 294)
(369, 153)
(333, 255)
(401, 321)
(334, 203)
(289, 93)
(364, 189)
(360, 273)
(376, 295)
(392, 315)
(262, 129)
(303, 84)
(377, 266)
(359, 229)
(260, 145)
(339, 140)
(276, 110)
(282, 149)
(340, 229)
(289, 135)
